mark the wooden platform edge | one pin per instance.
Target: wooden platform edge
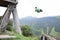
(6, 36)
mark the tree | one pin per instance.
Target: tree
(26, 31)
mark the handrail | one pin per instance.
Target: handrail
(51, 38)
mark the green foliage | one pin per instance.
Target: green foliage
(42, 23)
(26, 30)
(47, 30)
(20, 37)
(9, 25)
(55, 34)
(1, 17)
(42, 31)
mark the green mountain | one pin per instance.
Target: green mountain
(38, 23)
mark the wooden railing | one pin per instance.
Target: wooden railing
(49, 37)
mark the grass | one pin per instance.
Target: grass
(21, 37)
(18, 37)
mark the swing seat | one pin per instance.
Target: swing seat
(5, 3)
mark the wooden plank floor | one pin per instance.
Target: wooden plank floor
(7, 36)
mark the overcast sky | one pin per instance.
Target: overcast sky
(27, 8)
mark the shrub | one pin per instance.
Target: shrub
(26, 30)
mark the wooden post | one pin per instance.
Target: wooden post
(16, 22)
(43, 37)
(11, 8)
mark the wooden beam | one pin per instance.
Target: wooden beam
(12, 1)
(5, 3)
(6, 36)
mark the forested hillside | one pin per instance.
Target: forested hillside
(37, 23)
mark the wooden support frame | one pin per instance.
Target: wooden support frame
(11, 9)
(5, 19)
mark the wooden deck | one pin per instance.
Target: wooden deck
(6, 36)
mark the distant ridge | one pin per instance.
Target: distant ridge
(37, 23)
